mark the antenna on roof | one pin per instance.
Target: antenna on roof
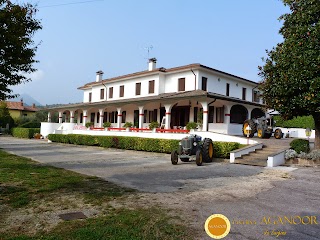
(149, 48)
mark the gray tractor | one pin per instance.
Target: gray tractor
(193, 146)
(262, 126)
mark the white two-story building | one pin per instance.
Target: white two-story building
(181, 94)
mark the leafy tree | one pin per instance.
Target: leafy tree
(17, 49)
(291, 74)
(5, 117)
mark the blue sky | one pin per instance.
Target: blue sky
(113, 36)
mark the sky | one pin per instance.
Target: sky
(80, 37)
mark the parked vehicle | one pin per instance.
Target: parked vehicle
(191, 146)
(264, 127)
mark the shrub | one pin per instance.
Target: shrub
(221, 149)
(106, 124)
(89, 124)
(300, 145)
(153, 125)
(290, 153)
(24, 132)
(297, 122)
(30, 125)
(127, 125)
(191, 125)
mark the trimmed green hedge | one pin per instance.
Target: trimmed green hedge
(24, 132)
(297, 122)
(221, 149)
(30, 125)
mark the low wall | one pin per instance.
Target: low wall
(48, 128)
(297, 132)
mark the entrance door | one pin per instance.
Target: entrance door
(180, 116)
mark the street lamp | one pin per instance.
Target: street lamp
(308, 133)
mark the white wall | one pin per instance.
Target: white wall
(297, 132)
(171, 81)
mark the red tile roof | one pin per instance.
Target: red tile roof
(20, 106)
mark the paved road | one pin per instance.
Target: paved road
(245, 194)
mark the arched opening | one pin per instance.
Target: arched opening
(238, 114)
(257, 113)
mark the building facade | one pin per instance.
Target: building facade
(192, 93)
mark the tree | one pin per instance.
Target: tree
(17, 49)
(291, 74)
(5, 117)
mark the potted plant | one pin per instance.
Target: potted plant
(191, 126)
(128, 125)
(153, 126)
(89, 125)
(106, 125)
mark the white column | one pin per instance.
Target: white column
(71, 116)
(141, 116)
(101, 118)
(119, 117)
(227, 109)
(84, 120)
(60, 117)
(205, 116)
(168, 108)
(49, 116)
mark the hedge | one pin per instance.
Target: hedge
(221, 149)
(30, 125)
(24, 132)
(297, 122)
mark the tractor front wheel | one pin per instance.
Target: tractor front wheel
(199, 157)
(174, 157)
(261, 133)
(278, 133)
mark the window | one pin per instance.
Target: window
(145, 113)
(219, 114)
(204, 83)
(244, 91)
(138, 88)
(195, 114)
(121, 93)
(211, 114)
(238, 114)
(124, 115)
(256, 96)
(181, 84)
(110, 92)
(150, 116)
(90, 97)
(151, 86)
(113, 117)
(228, 89)
(92, 117)
(105, 117)
(102, 93)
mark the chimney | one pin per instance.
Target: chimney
(21, 102)
(99, 76)
(152, 64)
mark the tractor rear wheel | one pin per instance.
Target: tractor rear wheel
(199, 157)
(253, 126)
(174, 157)
(278, 133)
(207, 150)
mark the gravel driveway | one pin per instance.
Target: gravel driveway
(242, 193)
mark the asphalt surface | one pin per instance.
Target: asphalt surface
(153, 173)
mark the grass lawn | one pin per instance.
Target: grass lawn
(32, 196)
